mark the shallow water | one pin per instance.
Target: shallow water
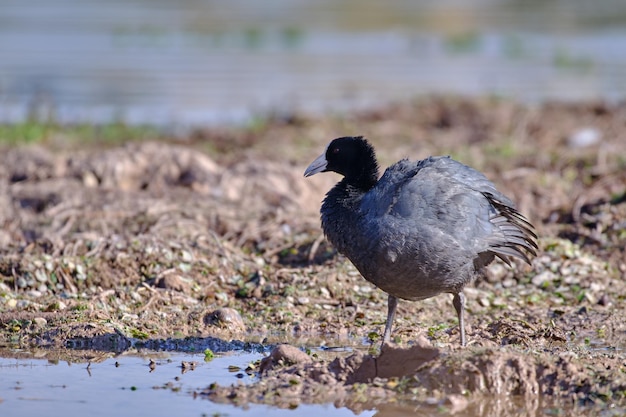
(126, 385)
(190, 63)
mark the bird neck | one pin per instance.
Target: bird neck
(341, 202)
(362, 180)
(347, 194)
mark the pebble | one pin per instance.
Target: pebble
(34, 293)
(543, 277)
(129, 317)
(362, 289)
(508, 283)
(41, 275)
(591, 298)
(284, 355)
(89, 179)
(40, 322)
(226, 318)
(495, 272)
(186, 256)
(583, 137)
(173, 282)
(56, 306)
(499, 302)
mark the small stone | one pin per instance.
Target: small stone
(186, 256)
(499, 302)
(365, 289)
(173, 282)
(284, 355)
(40, 322)
(226, 318)
(21, 283)
(34, 293)
(80, 272)
(586, 136)
(11, 303)
(90, 179)
(591, 298)
(508, 283)
(188, 366)
(495, 272)
(41, 275)
(543, 277)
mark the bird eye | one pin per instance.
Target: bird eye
(335, 150)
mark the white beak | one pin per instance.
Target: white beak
(317, 166)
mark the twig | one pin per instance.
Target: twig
(315, 246)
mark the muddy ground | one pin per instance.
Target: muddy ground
(104, 249)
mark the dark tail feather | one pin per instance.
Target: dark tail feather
(517, 237)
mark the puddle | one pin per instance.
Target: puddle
(126, 384)
(150, 382)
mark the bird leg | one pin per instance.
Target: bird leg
(459, 305)
(392, 303)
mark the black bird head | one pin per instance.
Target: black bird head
(352, 157)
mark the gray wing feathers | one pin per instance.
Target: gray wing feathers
(514, 235)
(506, 232)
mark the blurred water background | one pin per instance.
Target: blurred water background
(200, 63)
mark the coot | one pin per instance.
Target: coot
(424, 228)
